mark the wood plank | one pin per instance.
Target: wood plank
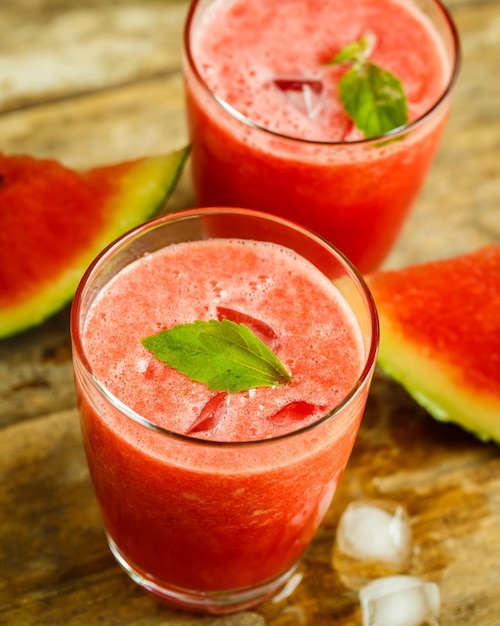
(56, 50)
(457, 210)
(36, 375)
(106, 127)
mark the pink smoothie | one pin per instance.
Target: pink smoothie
(315, 334)
(242, 47)
(248, 54)
(183, 511)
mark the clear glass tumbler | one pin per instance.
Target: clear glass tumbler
(214, 526)
(355, 192)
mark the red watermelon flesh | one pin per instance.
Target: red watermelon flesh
(54, 221)
(440, 336)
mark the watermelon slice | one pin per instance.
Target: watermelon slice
(54, 221)
(440, 336)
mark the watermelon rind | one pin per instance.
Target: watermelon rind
(141, 193)
(437, 380)
(432, 388)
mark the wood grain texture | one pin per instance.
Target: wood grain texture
(100, 82)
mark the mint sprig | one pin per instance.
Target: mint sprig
(372, 97)
(221, 354)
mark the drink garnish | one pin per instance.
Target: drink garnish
(259, 328)
(295, 411)
(372, 97)
(211, 414)
(222, 354)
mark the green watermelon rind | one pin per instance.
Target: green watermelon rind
(144, 190)
(439, 337)
(434, 387)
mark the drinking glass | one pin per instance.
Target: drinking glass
(214, 526)
(357, 194)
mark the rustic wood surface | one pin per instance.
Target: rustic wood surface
(100, 81)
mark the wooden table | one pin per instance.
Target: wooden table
(100, 81)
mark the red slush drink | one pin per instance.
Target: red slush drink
(216, 519)
(267, 127)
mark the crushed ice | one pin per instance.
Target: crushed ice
(302, 93)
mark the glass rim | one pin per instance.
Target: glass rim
(109, 252)
(390, 135)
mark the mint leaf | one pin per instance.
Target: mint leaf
(372, 97)
(352, 53)
(221, 354)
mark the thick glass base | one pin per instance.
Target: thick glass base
(214, 602)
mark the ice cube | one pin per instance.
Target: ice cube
(302, 93)
(375, 530)
(400, 601)
(373, 539)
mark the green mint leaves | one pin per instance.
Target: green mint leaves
(221, 354)
(372, 97)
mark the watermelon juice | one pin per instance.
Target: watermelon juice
(267, 128)
(215, 518)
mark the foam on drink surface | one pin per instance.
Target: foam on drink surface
(315, 333)
(244, 49)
